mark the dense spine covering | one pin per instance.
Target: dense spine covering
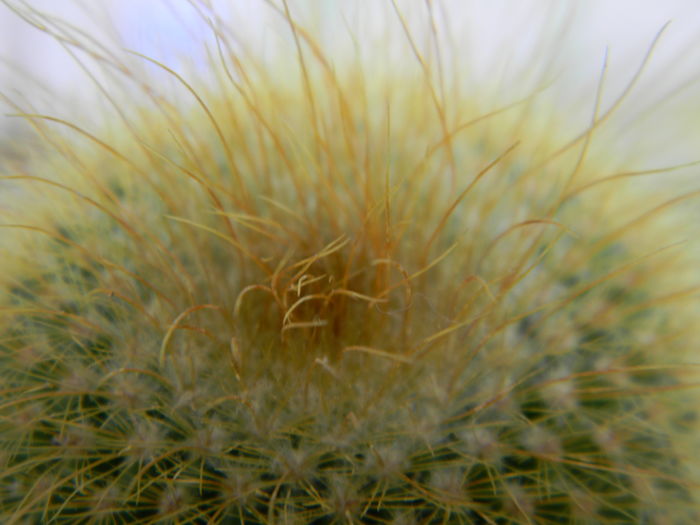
(351, 299)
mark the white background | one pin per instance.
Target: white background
(625, 26)
(497, 34)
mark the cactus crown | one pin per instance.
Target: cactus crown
(358, 297)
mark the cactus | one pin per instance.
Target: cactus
(347, 299)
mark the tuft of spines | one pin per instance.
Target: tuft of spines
(351, 300)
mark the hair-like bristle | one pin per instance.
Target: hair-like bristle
(316, 287)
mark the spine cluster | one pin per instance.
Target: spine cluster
(352, 296)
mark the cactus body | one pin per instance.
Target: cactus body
(343, 299)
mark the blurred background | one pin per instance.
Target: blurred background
(498, 38)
